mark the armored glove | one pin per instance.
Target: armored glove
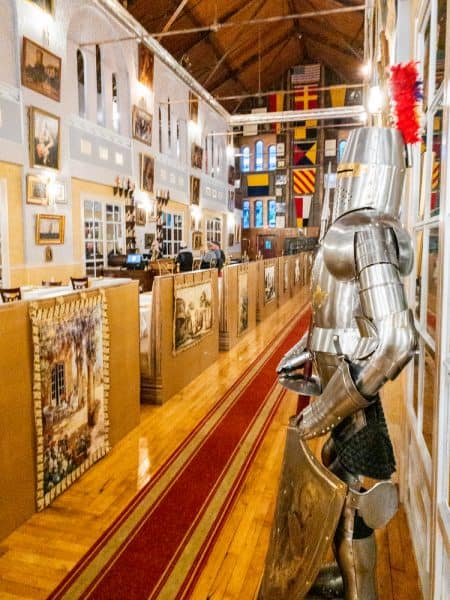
(290, 370)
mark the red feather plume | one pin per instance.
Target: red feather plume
(406, 91)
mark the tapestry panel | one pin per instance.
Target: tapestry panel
(269, 284)
(242, 302)
(193, 314)
(70, 390)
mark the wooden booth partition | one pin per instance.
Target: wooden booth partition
(267, 288)
(18, 439)
(284, 279)
(238, 303)
(184, 333)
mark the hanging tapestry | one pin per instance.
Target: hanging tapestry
(193, 313)
(70, 390)
(242, 301)
(270, 292)
(304, 153)
(304, 181)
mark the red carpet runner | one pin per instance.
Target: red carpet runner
(157, 546)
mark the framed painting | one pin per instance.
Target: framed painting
(269, 284)
(141, 216)
(196, 240)
(195, 190)
(196, 156)
(41, 70)
(142, 125)
(147, 172)
(242, 302)
(193, 107)
(44, 139)
(37, 191)
(145, 66)
(50, 229)
(193, 314)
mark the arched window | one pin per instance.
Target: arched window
(245, 159)
(259, 155)
(160, 130)
(178, 148)
(115, 103)
(81, 85)
(341, 149)
(98, 71)
(213, 153)
(169, 128)
(272, 157)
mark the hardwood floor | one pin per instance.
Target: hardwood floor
(35, 557)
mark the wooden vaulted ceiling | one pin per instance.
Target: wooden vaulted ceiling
(232, 55)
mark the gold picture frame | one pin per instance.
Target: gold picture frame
(142, 125)
(41, 70)
(50, 229)
(146, 62)
(44, 139)
(37, 191)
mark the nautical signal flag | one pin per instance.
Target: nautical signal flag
(306, 130)
(258, 184)
(276, 104)
(302, 210)
(304, 153)
(304, 181)
(306, 97)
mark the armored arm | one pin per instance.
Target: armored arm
(378, 266)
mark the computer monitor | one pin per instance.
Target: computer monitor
(134, 261)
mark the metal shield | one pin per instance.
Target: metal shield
(310, 502)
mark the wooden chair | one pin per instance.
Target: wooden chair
(51, 283)
(79, 283)
(10, 294)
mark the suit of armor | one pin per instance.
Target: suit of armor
(362, 335)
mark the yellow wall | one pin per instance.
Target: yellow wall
(12, 175)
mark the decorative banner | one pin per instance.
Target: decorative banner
(305, 74)
(306, 130)
(258, 185)
(193, 314)
(304, 153)
(304, 181)
(302, 209)
(242, 301)
(306, 98)
(337, 96)
(270, 292)
(70, 390)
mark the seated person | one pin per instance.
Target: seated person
(210, 258)
(184, 258)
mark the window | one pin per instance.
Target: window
(341, 148)
(245, 159)
(178, 148)
(169, 125)
(103, 233)
(172, 227)
(272, 157)
(58, 384)
(98, 71)
(115, 104)
(81, 85)
(272, 213)
(259, 216)
(160, 144)
(213, 150)
(259, 155)
(214, 230)
(245, 214)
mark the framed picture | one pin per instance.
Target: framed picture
(41, 70)
(59, 192)
(196, 156)
(196, 240)
(46, 5)
(145, 66)
(147, 172)
(50, 229)
(193, 107)
(141, 216)
(149, 238)
(44, 139)
(142, 125)
(37, 190)
(195, 190)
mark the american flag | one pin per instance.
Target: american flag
(305, 74)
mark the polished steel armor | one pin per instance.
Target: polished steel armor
(362, 334)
